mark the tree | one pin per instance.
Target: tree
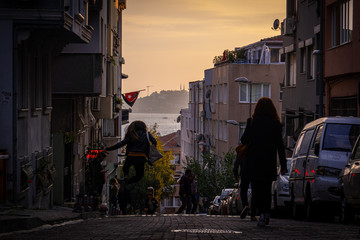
(159, 176)
(213, 174)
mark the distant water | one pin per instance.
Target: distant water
(166, 121)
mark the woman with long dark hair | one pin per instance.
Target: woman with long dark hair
(137, 150)
(263, 134)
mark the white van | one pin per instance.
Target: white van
(320, 153)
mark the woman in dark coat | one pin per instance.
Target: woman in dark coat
(137, 150)
(263, 135)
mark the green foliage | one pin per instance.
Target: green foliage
(159, 176)
(230, 56)
(213, 174)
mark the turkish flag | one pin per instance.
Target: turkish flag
(130, 97)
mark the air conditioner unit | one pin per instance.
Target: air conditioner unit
(95, 104)
(288, 26)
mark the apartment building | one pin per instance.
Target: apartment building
(233, 88)
(60, 77)
(33, 34)
(215, 121)
(86, 111)
(341, 63)
(303, 95)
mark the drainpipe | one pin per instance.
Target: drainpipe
(320, 59)
(15, 164)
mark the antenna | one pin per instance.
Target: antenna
(276, 25)
(147, 87)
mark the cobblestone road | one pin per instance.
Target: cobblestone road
(188, 227)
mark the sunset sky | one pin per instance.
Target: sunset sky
(168, 43)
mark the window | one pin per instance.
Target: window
(340, 137)
(220, 89)
(317, 140)
(281, 91)
(225, 93)
(343, 106)
(292, 70)
(303, 144)
(341, 23)
(257, 91)
(274, 53)
(224, 129)
(217, 93)
(303, 60)
(243, 92)
(310, 66)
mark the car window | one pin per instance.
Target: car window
(340, 137)
(304, 146)
(356, 154)
(298, 144)
(316, 143)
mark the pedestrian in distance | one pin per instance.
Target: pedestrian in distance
(263, 135)
(194, 194)
(244, 187)
(150, 204)
(137, 150)
(113, 195)
(185, 192)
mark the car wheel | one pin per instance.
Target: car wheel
(309, 208)
(346, 213)
(296, 211)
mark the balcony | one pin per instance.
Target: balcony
(77, 74)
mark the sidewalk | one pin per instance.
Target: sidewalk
(14, 218)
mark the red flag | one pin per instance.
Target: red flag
(224, 56)
(130, 97)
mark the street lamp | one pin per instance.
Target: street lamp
(245, 80)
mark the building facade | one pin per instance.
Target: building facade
(341, 64)
(33, 34)
(303, 95)
(219, 106)
(231, 102)
(86, 98)
(171, 143)
(61, 59)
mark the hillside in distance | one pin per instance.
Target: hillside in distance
(171, 101)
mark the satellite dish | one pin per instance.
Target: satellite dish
(276, 24)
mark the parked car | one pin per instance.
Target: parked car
(280, 189)
(224, 206)
(214, 208)
(350, 185)
(235, 202)
(321, 152)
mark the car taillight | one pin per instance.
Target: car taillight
(328, 171)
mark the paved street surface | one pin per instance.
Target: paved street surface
(187, 227)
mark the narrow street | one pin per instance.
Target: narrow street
(188, 227)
